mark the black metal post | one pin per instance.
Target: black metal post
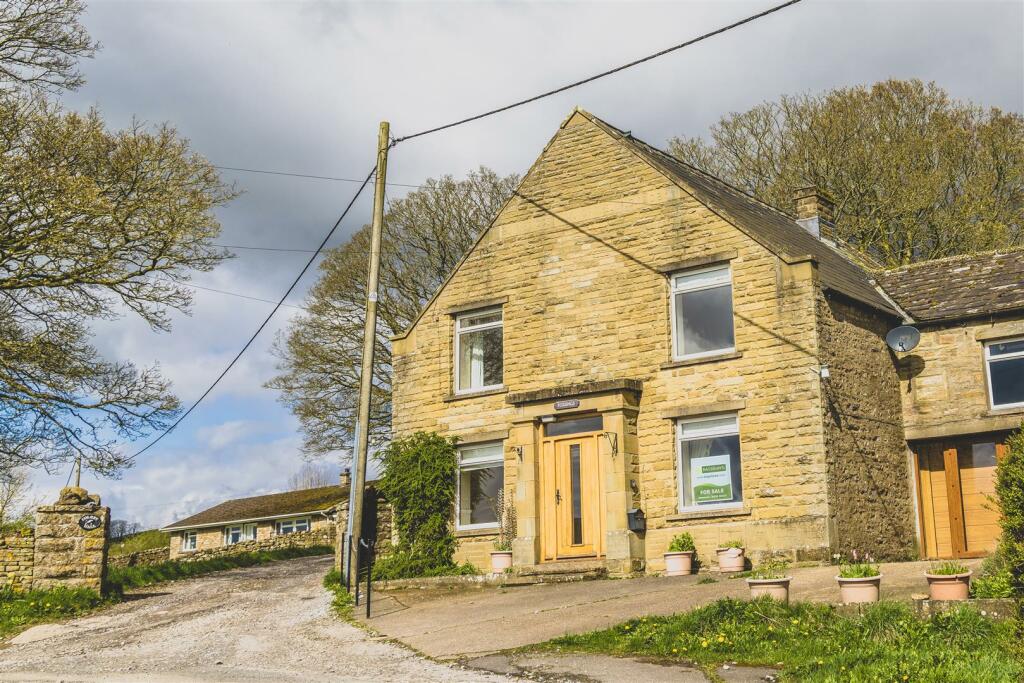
(369, 575)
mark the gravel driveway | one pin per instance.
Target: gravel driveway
(268, 623)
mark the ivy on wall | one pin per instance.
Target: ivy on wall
(418, 480)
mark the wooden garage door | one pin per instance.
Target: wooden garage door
(956, 480)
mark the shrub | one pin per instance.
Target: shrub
(1010, 498)
(419, 482)
(405, 565)
(682, 543)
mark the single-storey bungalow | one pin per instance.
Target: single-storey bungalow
(634, 348)
(257, 518)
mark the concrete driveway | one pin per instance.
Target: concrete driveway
(465, 623)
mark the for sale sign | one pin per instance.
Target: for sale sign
(711, 479)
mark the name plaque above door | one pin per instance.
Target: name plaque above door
(567, 404)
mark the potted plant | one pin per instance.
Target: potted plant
(769, 578)
(859, 581)
(730, 557)
(501, 557)
(948, 580)
(679, 558)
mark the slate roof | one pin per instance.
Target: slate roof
(263, 507)
(839, 268)
(959, 286)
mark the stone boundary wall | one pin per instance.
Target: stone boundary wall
(17, 554)
(140, 558)
(302, 539)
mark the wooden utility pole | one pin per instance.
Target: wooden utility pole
(355, 518)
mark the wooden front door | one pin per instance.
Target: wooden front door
(956, 480)
(572, 487)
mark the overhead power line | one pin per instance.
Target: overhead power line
(302, 175)
(265, 322)
(590, 79)
(239, 246)
(422, 133)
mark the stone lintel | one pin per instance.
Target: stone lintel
(704, 409)
(697, 261)
(477, 305)
(573, 390)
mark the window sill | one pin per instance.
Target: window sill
(1012, 410)
(685, 362)
(709, 514)
(476, 394)
(483, 531)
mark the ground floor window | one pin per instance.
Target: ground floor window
(709, 471)
(481, 480)
(188, 541)
(292, 526)
(237, 534)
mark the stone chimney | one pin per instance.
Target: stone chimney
(813, 211)
(346, 478)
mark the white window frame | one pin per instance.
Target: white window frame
(675, 289)
(292, 522)
(189, 541)
(484, 463)
(733, 430)
(247, 532)
(459, 330)
(989, 358)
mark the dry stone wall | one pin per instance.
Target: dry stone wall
(302, 539)
(140, 558)
(16, 560)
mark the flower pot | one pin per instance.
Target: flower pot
(677, 564)
(731, 560)
(859, 589)
(500, 561)
(948, 586)
(776, 589)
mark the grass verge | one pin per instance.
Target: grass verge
(144, 540)
(343, 601)
(21, 610)
(814, 642)
(120, 578)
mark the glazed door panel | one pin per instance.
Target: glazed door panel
(577, 498)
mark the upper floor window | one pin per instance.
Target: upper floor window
(478, 490)
(702, 312)
(1005, 363)
(188, 541)
(709, 463)
(478, 351)
(237, 534)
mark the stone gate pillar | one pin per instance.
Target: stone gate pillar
(71, 541)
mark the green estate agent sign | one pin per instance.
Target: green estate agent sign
(711, 479)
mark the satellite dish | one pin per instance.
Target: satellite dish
(903, 338)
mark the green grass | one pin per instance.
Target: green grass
(814, 642)
(120, 578)
(20, 610)
(144, 540)
(343, 600)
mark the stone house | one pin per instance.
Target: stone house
(258, 518)
(633, 337)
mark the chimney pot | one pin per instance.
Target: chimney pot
(346, 478)
(813, 210)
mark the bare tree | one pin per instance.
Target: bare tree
(312, 475)
(41, 42)
(15, 499)
(120, 528)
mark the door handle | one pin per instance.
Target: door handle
(558, 497)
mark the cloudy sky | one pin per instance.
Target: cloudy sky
(301, 87)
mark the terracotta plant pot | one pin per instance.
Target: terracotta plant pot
(860, 589)
(677, 564)
(731, 560)
(776, 589)
(948, 586)
(500, 561)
